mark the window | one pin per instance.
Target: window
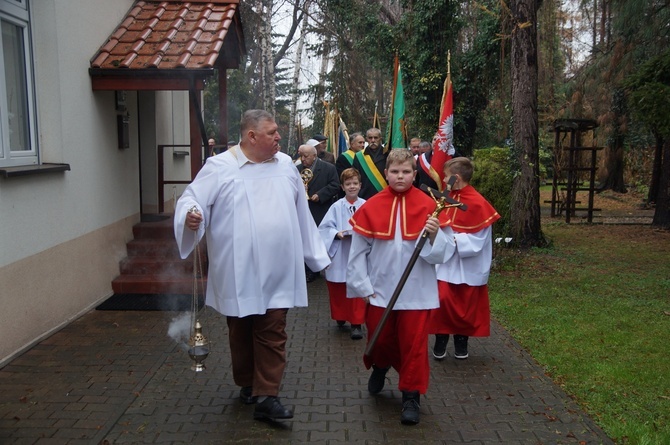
(17, 106)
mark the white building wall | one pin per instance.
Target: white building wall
(76, 126)
(62, 234)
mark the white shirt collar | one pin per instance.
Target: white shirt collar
(241, 158)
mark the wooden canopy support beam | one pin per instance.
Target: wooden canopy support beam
(223, 107)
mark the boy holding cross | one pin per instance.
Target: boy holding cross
(386, 230)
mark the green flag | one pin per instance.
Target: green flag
(396, 134)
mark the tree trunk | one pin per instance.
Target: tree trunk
(614, 166)
(267, 64)
(325, 57)
(525, 205)
(662, 213)
(603, 24)
(295, 87)
(594, 32)
(656, 170)
(612, 176)
(319, 117)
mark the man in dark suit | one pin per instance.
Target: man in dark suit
(322, 187)
(371, 163)
(346, 159)
(321, 148)
(423, 175)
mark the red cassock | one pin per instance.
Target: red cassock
(343, 308)
(403, 342)
(464, 306)
(464, 310)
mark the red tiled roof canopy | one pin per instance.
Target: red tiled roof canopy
(169, 40)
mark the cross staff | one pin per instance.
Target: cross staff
(442, 201)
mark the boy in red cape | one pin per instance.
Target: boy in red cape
(462, 280)
(386, 230)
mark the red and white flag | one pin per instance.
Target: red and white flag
(443, 142)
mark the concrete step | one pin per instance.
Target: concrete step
(158, 230)
(156, 266)
(155, 247)
(156, 284)
(151, 247)
(153, 265)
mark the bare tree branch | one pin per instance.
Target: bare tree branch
(298, 13)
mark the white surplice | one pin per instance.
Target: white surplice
(471, 263)
(375, 266)
(259, 233)
(337, 220)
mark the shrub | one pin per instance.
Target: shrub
(493, 179)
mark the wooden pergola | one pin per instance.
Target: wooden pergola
(568, 139)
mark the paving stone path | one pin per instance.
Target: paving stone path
(115, 377)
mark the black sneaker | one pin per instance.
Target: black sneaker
(440, 346)
(411, 409)
(377, 380)
(460, 347)
(356, 332)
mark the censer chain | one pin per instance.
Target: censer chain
(197, 272)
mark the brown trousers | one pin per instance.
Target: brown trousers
(258, 350)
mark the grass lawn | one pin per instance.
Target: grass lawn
(594, 311)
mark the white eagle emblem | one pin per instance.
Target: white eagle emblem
(445, 140)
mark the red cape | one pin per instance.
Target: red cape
(480, 213)
(377, 217)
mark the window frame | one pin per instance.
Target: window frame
(16, 12)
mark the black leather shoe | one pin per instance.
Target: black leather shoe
(377, 380)
(246, 395)
(272, 409)
(411, 411)
(356, 332)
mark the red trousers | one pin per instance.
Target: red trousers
(258, 350)
(464, 310)
(343, 308)
(402, 344)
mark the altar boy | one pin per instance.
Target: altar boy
(335, 231)
(386, 231)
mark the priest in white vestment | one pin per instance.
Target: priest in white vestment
(250, 204)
